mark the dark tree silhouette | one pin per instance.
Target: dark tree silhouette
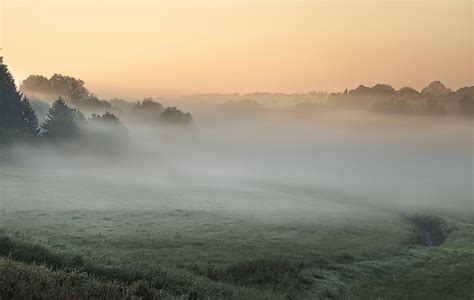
(62, 121)
(408, 92)
(148, 104)
(36, 84)
(10, 101)
(172, 115)
(147, 110)
(29, 115)
(437, 89)
(70, 88)
(16, 115)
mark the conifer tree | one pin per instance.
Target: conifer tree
(10, 102)
(61, 121)
(29, 116)
(17, 117)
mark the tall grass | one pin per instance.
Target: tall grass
(31, 281)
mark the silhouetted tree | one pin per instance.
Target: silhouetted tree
(37, 84)
(10, 101)
(62, 121)
(148, 104)
(67, 87)
(147, 110)
(437, 89)
(408, 92)
(29, 115)
(16, 115)
(172, 115)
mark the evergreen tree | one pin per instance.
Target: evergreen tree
(11, 117)
(17, 117)
(30, 118)
(61, 121)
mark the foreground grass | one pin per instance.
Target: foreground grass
(211, 255)
(31, 281)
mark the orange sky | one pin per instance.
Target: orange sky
(138, 48)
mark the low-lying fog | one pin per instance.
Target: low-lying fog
(269, 164)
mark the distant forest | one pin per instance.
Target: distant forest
(435, 99)
(24, 114)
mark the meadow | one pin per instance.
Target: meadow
(207, 216)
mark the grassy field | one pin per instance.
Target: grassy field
(202, 254)
(244, 215)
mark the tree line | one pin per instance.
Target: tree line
(66, 87)
(19, 122)
(434, 99)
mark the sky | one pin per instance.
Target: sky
(148, 48)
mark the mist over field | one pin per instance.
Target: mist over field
(236, 150)
(269, 164)
(252, 196)
(246, 199)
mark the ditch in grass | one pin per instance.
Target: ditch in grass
(429, 230)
